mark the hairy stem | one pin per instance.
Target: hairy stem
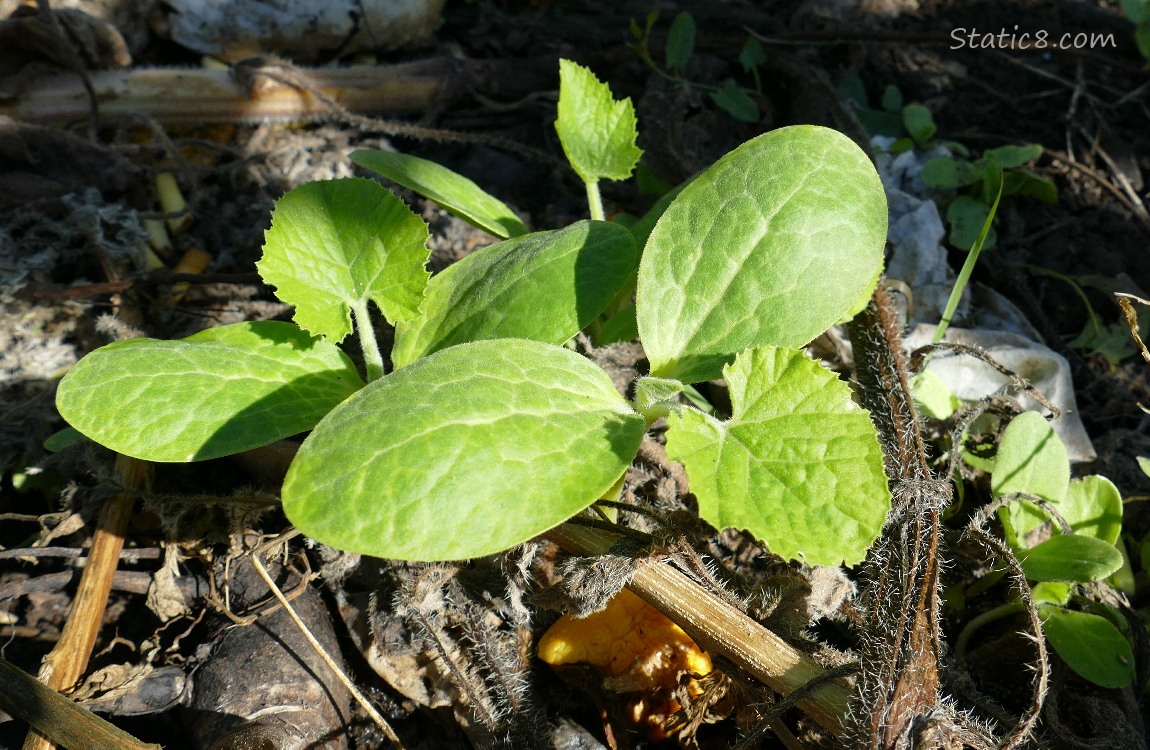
(372, 359)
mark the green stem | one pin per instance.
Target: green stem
(967, 269)
(985, 618)
(595, 201)
(372, 359)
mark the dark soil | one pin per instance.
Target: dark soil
(72, 211)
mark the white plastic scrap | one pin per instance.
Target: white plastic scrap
(918, 258)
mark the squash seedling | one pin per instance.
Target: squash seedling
(488, 431)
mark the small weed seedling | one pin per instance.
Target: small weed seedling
(730, 97)
(998, 173)
(1031, 464)
(911, 125)
(488, 431)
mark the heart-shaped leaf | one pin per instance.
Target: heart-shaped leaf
(1090, 645)
(454, 192)
(335, 245)
(466, 452)
(545, 286)
(779, 240)
(222, 391)
(798, 465)
(1072, 559)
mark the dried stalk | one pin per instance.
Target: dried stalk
(170, 95)
(68, 660)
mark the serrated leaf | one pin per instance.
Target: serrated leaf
(740, 258)
(545, 286)
(454, 192)
(336, 243)
(680, 42)
(598, 133)
(1090, 645)
(222, 391)
(465, 453)
(798, 465)
(736, 102)
(1071, 558)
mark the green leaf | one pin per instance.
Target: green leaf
(1144, 464)
(619, 327)
(342, 242)
(798, 465)
(656, 397)
(1009, 157)
(222, 391)
(1051, 592)
(1072, 559)
(918, 122)
(1021, 182)
(891, 98)
(1092, 506)
(751, 56)
(933, 397)
(741, 258)
(65, 438)
(966, 216)
(737, 103)
(680, 42)
(1032, 459)
(1142, 33)
(545, 286)
(945, 173)
(598, 133)
(454, 192)
(465, 453)
(1090, 645)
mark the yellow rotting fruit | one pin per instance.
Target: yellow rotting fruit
(637, 650)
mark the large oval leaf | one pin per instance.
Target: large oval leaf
(544, 286)
(798, 465)
(779, 240)
(454, 192)
(336, 244)
(465, 453)
(222, 391)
